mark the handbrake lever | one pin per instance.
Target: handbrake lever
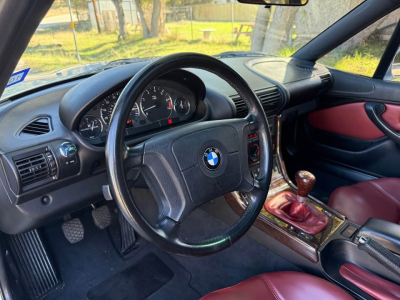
(384, 256)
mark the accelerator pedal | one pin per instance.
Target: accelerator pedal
(128, 236)
(37, 269)
(73, 230)
(102, 217)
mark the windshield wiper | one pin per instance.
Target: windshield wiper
(240, 54)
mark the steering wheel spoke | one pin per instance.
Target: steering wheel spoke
(168, 228)
(133, 156)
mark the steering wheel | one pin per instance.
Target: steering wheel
(190, 165)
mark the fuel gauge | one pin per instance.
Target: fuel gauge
(182, 106)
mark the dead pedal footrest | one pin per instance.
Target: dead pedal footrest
(40, 276)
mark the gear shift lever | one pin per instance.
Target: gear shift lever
(295, 210)
(305, 182)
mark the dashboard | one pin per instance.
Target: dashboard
(52, 150)
(164, 103)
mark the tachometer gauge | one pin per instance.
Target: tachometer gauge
(90, 127)
(156, 104)
(182, 106)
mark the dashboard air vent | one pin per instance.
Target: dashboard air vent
(326, 80)
(241, 107)
(36, 127)
(270, 99)
(32, 169)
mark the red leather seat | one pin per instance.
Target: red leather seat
(377, 198)
(282, 286)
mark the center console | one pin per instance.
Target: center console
(294, 237)
(322, 235)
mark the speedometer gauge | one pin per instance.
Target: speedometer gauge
(156, 104)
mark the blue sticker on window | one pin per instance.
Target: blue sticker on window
(17, 77)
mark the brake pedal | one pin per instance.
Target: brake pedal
(73, 230)
(102, 216)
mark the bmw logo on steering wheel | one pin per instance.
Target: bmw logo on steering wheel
(212, 158)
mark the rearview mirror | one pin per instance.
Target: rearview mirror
(276, 2)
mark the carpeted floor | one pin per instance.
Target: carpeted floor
(92, 263)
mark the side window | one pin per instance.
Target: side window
(362, 53)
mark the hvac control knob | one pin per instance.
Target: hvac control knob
(68, 149)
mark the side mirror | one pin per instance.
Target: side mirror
(393, 73)
(276, 2)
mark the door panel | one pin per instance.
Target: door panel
(339, 140)
(352, 120)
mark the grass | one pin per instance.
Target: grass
(362, 61)
(362, 64)
(53, 48)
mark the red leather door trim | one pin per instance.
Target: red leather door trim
(352, 120)
(371, 284)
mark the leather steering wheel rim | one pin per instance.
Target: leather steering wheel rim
(168, 167)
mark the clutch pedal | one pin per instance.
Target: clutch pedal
(101, 216)
(73, 230)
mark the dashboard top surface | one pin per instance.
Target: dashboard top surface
(84, 93)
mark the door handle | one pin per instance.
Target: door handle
(374, 112)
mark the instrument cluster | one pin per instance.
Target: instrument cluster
(163, 103)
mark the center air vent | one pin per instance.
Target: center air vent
(270, 99)
(326, 80)
(36, 127)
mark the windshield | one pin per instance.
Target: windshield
(83, 36)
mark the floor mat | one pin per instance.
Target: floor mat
(135, 283)
(93, 260)
(244, 259)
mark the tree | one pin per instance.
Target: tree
(145, 28)
(121, 18)
(277, 35)
(260, 28)
(96, 16)
(155, 26)
(155, 19)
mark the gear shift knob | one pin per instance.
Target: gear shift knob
(305, 182)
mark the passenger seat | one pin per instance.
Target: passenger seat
(377, 198)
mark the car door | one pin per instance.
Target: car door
(351, 133)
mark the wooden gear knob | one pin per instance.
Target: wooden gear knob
(305, 182)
